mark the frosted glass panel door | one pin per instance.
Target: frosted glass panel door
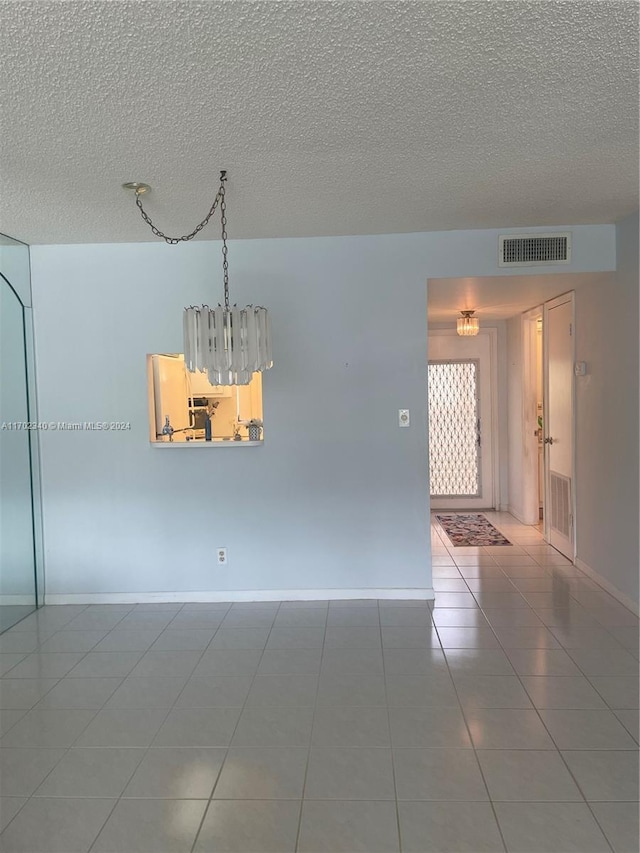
(454, 429)
(461, 437)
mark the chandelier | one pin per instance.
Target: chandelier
(229, 343)
(467, 324)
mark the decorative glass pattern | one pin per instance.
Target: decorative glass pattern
(454, 434)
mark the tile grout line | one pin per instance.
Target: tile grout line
(235, 728)
(116, 801)
(203, 652)
(97, 711)
(393, 761)
(473, 746)
(559, 752)
(40, 609)
(144, 750)
(37, 651)
(169, 710)
(557, 748)
(549, 571)
(562, 758)
(66, 749)
(313, 720)
(77, 663)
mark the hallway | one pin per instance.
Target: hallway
(504, 717)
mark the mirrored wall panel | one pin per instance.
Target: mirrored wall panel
(19, 484)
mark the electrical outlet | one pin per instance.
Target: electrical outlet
(222, 556)
(404, 419)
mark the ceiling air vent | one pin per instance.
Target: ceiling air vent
(527, 250)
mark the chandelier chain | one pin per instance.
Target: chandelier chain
(174, 240)
(223, 219)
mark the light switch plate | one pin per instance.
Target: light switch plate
(580, 368)
(404, 419)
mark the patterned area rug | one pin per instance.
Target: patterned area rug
(471, 529)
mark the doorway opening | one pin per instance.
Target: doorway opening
(539, 431)
(461, 392)
(548, 420)
(533, 416)
(531, 429)
(454, 419)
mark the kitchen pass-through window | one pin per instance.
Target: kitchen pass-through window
(185, 407)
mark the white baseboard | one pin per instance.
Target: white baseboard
(390, 593)
(17, 599)
(516, 514)
(622, 597)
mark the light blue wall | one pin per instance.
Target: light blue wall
(338, 496)
(607, 420)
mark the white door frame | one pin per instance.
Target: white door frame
(529, 459)
(492, 333)
(530, 508)
(552, 303)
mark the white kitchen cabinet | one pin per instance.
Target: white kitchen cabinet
(201, 387)
(184, 398)
(170, 395)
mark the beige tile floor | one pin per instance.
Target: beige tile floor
(505, 717)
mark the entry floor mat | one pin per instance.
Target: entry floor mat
(471, 529)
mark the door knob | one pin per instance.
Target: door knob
(548, 441)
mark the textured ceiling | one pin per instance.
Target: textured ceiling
(501, 297)
(331, 117)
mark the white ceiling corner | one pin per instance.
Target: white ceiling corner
(331, 117)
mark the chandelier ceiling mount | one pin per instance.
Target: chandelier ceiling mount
(229, 343)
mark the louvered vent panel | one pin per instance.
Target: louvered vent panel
(533, 249)
(561, 504)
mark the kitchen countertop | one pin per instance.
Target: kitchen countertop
(203, 443)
